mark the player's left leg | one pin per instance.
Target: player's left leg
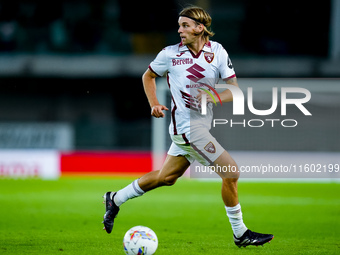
(229, 191)
(229, 178)
(242, 235)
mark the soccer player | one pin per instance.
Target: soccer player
(196, 62)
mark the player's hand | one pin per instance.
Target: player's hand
(199, 96)
(157, 111)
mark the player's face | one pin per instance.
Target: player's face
(188, 30)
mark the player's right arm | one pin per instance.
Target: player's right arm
(149, 83)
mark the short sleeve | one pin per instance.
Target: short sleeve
(226, 68)
(160, 64)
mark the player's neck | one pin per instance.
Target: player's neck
(197, 45)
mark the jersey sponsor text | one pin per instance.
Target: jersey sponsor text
(184, 61)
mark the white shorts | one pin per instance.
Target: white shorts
(197, 145)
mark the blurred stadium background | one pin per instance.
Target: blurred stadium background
(71, 97)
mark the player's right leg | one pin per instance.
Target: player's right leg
(173, 168)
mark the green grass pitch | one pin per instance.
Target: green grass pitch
(64, 217)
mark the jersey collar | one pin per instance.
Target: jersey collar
(206, 47)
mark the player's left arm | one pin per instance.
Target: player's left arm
(226, 95)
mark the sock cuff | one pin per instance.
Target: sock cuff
(136, 187)
(233, 210)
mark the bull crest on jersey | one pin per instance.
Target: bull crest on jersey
(209, 56)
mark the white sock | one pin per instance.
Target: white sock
(235, 218)
(131, 191)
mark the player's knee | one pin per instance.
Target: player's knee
(235, 174)
(231, 175)
(231, 172)
(229, 181)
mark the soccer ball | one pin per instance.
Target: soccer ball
(140, 240)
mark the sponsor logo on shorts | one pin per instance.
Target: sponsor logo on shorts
(210, 147)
